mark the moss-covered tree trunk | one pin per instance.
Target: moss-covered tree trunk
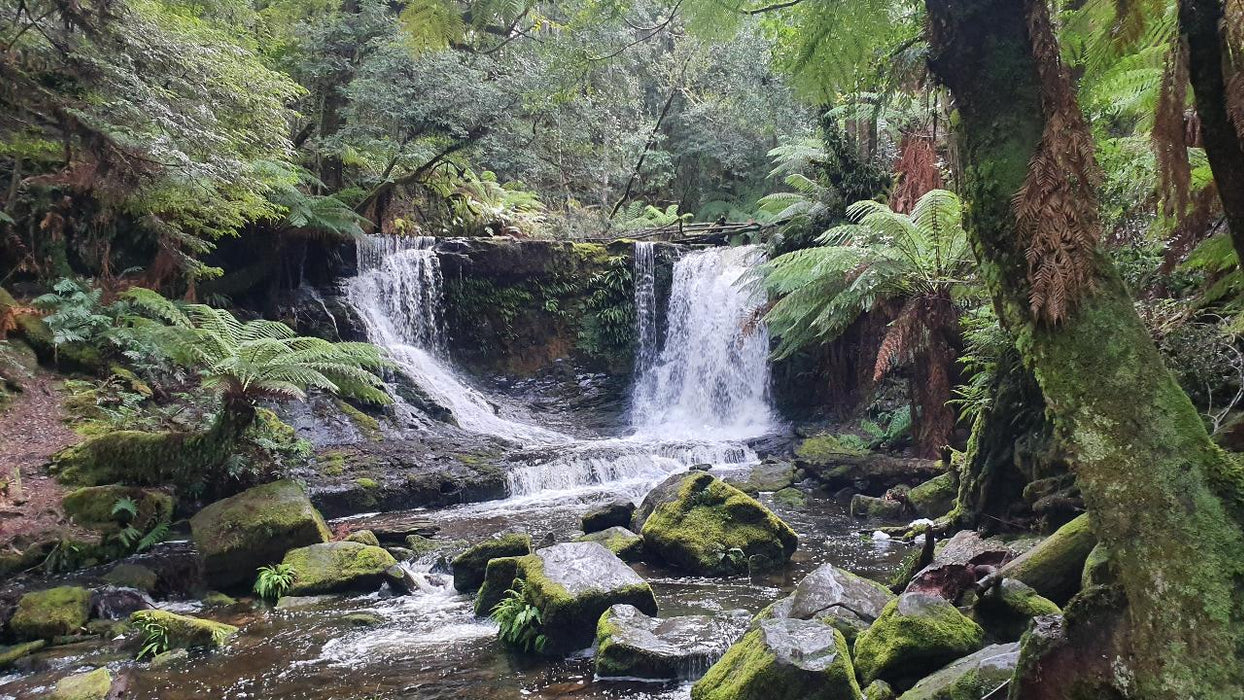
(1166, 501)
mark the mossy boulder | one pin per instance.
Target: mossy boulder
(133, 576)
(572, 584)
(255, 528)
(73, 357)
(469, 567)
(879, 508)
(184, 631)
(630, 644)
(91, 506)
(94, 685)
(1098, 569)
(1005, 609)
(972, 677)
(55, 612)
(616, 514)
(836, 597)
(709, 527)
(622, 542)
(935, 497)
(332, 567)
(766, 476)
(879, 690)
(364, 537)
(783, 659)
(9, 655)
(915, 635)
(791, 497)
(1055, 566)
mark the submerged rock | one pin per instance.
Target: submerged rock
(331, 567)
(630, 644)
(619, 540)
(840, 598)
(705, 526)
(94, 685)
(915, 635)
(935, 497)
(54, 612)
(255, 528)
(783, 659)
(184, 631)
(1055, 566)
(470, 566)
(616, 514)
(973, 676)
(572, 584)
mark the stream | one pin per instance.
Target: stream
(701, 397)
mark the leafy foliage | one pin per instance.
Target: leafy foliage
(521, 625)
(274, 581)
(155, 639)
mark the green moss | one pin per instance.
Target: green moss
(94, 685)
(1006, 609)
(791, 497)
(823, 448)
(916, 634)
(470, 567)
(54, 612)
(750, 670)
(879, 690)
(1098, 569)
(368, 425)
(499, 577)
(364, 537)
(698, 530)
(337, 566)
(74, 357)
(1054, 567)
(935, 497)
(332, 463)
(91, 506)
(622, 542)
(10, 654)
(183, 631)
(367, 483)
(216, 599)
(133, 576)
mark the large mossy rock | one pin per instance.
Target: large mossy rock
(619, 540)
(915, 635)
(783, 659)
(255, 528)
(334, 567)
(766, 476)
(615, 514)
(1055, 566)
(935, 497)
(840, 598)
(972, 677)
(572, 584)
(94, 685)
(137, 576)
(630, 644)
(469, 567)
(91, 506)
(54, 612)
(185, 632)
(1005, 609)
(710, 528)
(877, 507)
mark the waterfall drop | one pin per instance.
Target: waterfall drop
(647, 341)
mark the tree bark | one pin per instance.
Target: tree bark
(1166, 501)
(1200, 25)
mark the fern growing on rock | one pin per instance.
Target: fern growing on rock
(520, 620)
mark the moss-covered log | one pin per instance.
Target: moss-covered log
(1166, 501)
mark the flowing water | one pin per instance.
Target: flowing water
(647, 342)
(699, 396)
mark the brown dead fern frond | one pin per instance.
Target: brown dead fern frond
(916, 170)
(901, 341)
(1170, 134)
(1056, 208)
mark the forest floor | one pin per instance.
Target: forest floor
(32, 429)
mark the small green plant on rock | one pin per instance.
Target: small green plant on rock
(520, 620)
(274, 581)
(155, 638)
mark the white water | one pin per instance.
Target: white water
(647, 342)
(712, 376)
(695, 399)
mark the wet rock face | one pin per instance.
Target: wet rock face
(470, 566)
(630, 644)
(973, 676)
(255, 528)
(112, 603)
(618, 513)
(331, 567)
(848, 602)
(783, 659)
(914, 636)
(705, 526)
(622, 542)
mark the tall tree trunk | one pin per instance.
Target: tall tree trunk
(1200, 25)
(1166, 501)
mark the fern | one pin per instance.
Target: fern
(155, 637)
(521, 625)
(125, 507)
(272, 582)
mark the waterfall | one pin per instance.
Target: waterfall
(647, 344)
(398, 296)
(712, 376)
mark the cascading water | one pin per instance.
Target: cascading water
(398, 295)
(711, 379)
(647, 343)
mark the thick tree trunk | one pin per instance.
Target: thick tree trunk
(1165, 500)
(1200, 25)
